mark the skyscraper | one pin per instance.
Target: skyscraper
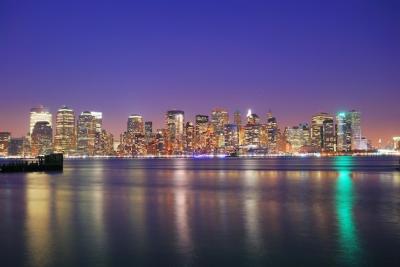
(219, 117)
(328, 135)
(65, 137)
(298, 137)
(103, 144)
(42, 139)
(189, 137)
(320, 139)
(272, 133)
(135, 124)
(201, 133)
(148, 131)
(5, 139)
(231, 138)
(237, 118)
(175, 128)
(344, 133)
(252, 130)
(98, 117)
(37, 114)
(86, 134)
(356, 137)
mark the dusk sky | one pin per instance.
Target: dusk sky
(294, 57)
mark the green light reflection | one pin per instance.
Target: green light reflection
(344, 199)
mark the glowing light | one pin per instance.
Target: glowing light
(348, 238)
(249, 113)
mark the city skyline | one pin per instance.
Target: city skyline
(139, 57)
(159, 122)
(216, 132)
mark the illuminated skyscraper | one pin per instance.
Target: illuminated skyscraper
(135, 124)
(356, 137)
(37, 114)
(103, 144)
(319, 139)
(175, 127)
(219, 117)
(328, 135)
(344, 134)
(5, 139)
(134, 141)
(231, 138)
(86, 134)
(189, 137)
(237, 118)
(148, 131)
(252, 131)
(201, 133)
(42, 139)
(272, 133)
(298, 137)
(98, 117)
(65, 138)
(148, 128)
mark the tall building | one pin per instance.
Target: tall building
(65, 137)
(5, 139)
(175, 127)
(356, 137)
(328, 136)
(189, 137)
(148, 128)
(86, 132)
(135, 124)
(272, 133)
(98, 117)
(319, 138)
(148, 131)
(103, 144)
(343, 132)
(41, 139)
(231, 138)
(219, 117)
(298, 137)
(37, 114)
(252, 131)
(201, 134)
(237, 118)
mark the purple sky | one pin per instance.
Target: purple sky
(121, 57)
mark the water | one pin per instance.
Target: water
(342, 211)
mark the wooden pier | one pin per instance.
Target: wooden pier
(52, 162)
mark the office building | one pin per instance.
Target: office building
(37, 114)
(65, 137)
(41, 139)
(5, 139)
(86, 133)
(175, 127)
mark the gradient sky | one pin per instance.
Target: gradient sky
(121, 57)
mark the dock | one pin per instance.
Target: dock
(51, 162)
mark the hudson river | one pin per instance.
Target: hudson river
(342, 211)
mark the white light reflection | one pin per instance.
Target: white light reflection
(184, 239)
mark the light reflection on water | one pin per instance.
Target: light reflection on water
(170, 212)
(348, 239)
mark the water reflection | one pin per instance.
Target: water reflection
(348, 239)
(185, 246)
(173, 213)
